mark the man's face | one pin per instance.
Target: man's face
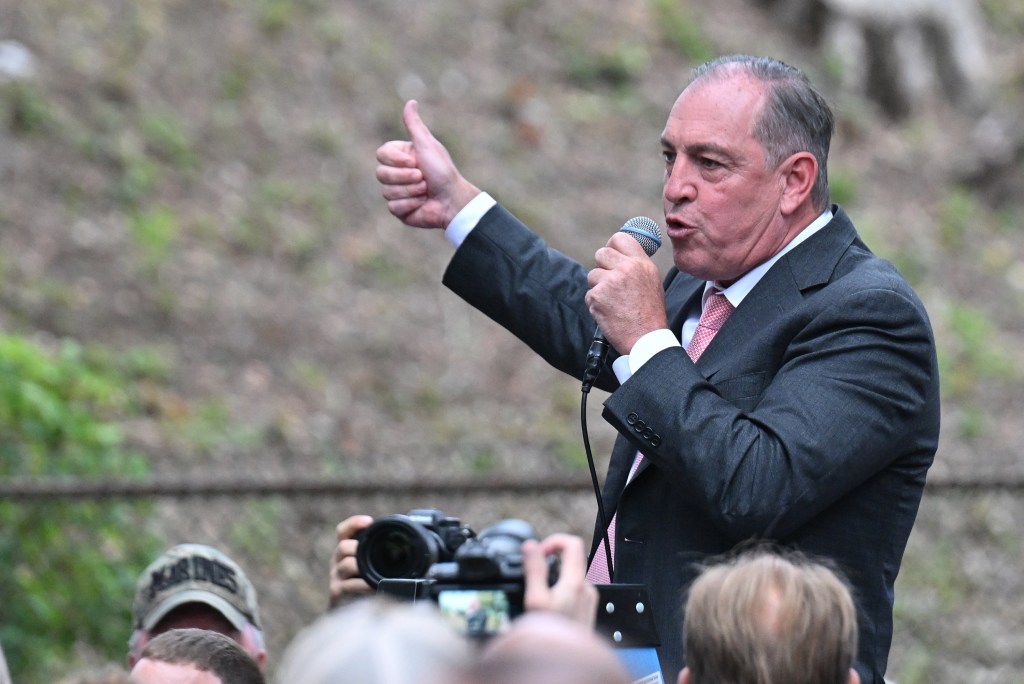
(721, 203)
(148, 671)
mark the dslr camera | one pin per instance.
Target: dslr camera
(475, 579)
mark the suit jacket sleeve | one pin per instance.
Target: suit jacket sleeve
(509, 273)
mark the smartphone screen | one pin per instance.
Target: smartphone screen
(476, 612)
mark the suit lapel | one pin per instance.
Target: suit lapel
(682, 294)
(782, 288)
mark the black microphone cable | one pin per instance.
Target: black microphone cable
(645, 231)
(602, 519)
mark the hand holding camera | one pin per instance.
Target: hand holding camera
(481, 581)
(571, 595)
(344, 580)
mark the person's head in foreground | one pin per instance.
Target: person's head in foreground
(547, 648)
(195, 656)
(194, 585)
(769, 616)
(376, 640)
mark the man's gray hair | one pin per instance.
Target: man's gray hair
(796, 117)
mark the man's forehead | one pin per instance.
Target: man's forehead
(723, 91)
(148, 671)
(718, 105)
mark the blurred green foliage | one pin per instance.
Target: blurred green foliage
(682, 31)
(24, 109)
(154, 232)
(958, 214)
(206, 427)
(973, 352)
(1004, 15)
(842, 187)
(969, 354)
(138, 179)
(616, 67)
(166, 138)
(276, 15)
(69, 566)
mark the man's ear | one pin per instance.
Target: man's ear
(799, 171)
(684, 677)
(854, 677)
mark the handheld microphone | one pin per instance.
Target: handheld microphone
(648, 234)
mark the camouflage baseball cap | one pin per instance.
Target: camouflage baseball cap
(194, 573)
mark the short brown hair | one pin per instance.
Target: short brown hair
(768, 616)
(208, 651)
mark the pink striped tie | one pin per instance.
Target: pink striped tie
(716, 310)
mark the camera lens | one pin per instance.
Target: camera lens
(392, 553)
(396, 548)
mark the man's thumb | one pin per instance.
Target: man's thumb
(418, 131)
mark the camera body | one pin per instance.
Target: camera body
(406, 546)
(476, 580)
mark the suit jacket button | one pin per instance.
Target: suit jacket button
(632, 418)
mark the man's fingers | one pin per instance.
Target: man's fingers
(535, 570)
(570, 548)
(624, 243)
(356, 585)
(607, 258)
(347, 549)
(571, 595)
(348, 568)
(348, 527)
(403, 190)
(619, 250)
(402, 208)
(397, 153)
(342, 588)
(389, 174)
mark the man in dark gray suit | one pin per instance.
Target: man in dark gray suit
(813, 415)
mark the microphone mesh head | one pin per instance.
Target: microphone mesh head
(645, 231)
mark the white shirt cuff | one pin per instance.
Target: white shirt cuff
(645, 348)
(465, 221)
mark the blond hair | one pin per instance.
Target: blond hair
(770, 617)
